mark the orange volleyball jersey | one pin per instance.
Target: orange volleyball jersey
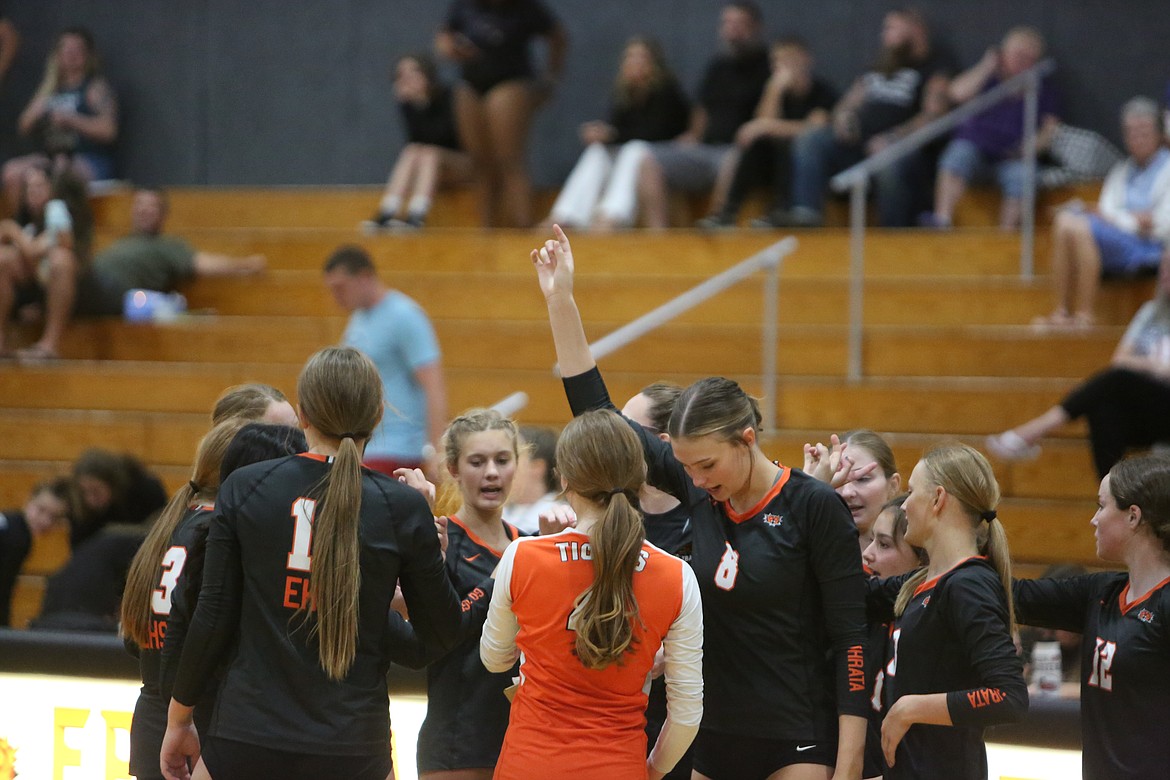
(569, 721)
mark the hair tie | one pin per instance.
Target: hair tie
(194, 487)
(987, 516)
(616, 491)
(348, 436)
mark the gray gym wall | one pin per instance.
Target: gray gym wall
(266, 92)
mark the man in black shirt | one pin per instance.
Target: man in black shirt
(728, 94)
(905, 90)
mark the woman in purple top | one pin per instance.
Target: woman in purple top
(990, 143)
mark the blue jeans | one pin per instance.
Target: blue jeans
(818, 155)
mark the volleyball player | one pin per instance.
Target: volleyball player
(156, 573)
(302, 558)
(888, 555)
(1124, 618)
(467, 711)
(578, 710)
(146, 600)
(954, 668)
(776, 556)
(860, 465)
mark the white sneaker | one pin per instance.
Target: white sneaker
(1009, 445)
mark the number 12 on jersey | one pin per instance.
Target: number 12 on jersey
(299, 558)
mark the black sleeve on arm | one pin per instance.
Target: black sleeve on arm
(433, 603)
(587, 392)
(216, 619)
(406, 649)
(978, 616)
(1049, 603)
(836, 563)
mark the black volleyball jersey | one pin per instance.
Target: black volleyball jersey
(1125, 667)
(256, 587)
(150, 711)
(953, 638)
(190, 535)
(783, 597)
(467, 711)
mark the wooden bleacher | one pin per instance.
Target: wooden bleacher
(948, 351)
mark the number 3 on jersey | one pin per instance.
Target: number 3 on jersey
(172, 567)
(728, 569)
(302, 513)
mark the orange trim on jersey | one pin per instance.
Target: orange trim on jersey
(1121, 599)
(313, 456)
(777, 486)
(929, 584)
(203, 508)
(478, 540)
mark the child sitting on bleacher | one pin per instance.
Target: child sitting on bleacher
(49, 506)
(432, 155)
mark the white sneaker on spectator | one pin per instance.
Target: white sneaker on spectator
(1009, 445)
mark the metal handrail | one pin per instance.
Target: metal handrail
(856, 179)
(512, 403)
(767, 259)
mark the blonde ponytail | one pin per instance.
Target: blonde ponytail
(606, 610)
(334, 569)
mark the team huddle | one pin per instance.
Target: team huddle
(693, 609)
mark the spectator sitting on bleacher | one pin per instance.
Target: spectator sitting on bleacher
(794, 102)
(991, 142)
(727, 97)
(432, 155)
(1127, 232)
(904, 91)
(147, 259)
(73, 115)
(49, 505)
(112, 489)
(647, 105)
(1125, 405)
(41, 254)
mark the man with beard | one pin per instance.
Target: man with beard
(727, 97)
(904, 90)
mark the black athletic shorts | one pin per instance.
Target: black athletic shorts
(732, 757)
(227, 759)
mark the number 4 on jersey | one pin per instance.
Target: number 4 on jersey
(728, 569)
(302, 513)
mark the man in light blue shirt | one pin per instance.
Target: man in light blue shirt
(396, 334)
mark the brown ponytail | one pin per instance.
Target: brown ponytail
(600, 459)
(340, 394)
(966, 476)
(143, 576)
